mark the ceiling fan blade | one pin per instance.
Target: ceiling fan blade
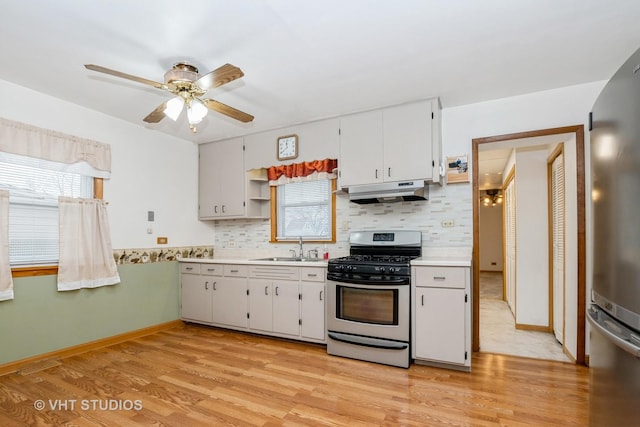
(156, 115)
(227, 111)
(115, 73)
(222, 75)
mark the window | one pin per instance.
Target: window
(34, 186)
(304, 209)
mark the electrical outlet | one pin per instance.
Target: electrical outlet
(162, 240)
(345, 225)
(448, 223)
(231, 244)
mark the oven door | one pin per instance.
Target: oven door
(370, 310)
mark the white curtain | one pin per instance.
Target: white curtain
(86, 254)
(6, 282)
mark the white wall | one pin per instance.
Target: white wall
(150, 171)
(532, 243)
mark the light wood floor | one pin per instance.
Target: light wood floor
(194, 375)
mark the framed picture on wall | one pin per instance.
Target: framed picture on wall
(457, 169)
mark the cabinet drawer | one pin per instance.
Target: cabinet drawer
(441, 277)
(273, 272)
(312, 274)
(189, 268)
(211, 269)
(235, 270)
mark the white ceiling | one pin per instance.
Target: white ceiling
(307, 60)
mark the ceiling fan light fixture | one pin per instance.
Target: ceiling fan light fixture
(196, 111)
(174, 108)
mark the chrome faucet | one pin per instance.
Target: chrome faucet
(314, 252)
(301, 249)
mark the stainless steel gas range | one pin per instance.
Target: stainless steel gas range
(369, 297)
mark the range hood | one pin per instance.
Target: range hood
(388, 192)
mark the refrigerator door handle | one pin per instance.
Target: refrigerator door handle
(604, 324)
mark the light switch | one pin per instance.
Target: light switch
(150, 216)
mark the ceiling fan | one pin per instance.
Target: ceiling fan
(188, 86)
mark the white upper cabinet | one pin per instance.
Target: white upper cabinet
(407, 142)
(392, 144)
(361, 149)
(221, 180)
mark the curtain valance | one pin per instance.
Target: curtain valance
(27, 140)
(316, 169)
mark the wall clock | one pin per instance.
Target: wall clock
(287, 147)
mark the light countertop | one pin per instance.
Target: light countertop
(320, 263)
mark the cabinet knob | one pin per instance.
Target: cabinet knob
(223, 209)
(206, 286)
(422, 299)
(266, 290)
(214, 286)
(312, 275)
(215, 209)
(321, 295)
(389, 172)
(439, 278)
(276, 290)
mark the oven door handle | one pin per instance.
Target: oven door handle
(401, 281)
(368, 342)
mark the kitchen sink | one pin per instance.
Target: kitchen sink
(287, 259)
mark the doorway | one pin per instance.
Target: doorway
(577, 300)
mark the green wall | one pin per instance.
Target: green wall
(40, 319)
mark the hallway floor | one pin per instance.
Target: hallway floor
(497, 327)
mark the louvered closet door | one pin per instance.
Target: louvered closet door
(557, 217)
(510, 245)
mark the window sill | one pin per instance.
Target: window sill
(41, 270)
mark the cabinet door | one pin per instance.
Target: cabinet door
(440, 324)
(231, 177)
(260, 305)
(286, 314)
(208, 185)
(221, 179)
(312, 310)
(407, 142)
(361, 149)
(196, 297)
(230, 301)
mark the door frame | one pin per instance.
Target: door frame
(578, 130)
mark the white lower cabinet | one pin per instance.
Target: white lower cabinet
(229, 306)
(312, 304)
(274, 306)
(442, 316)
(267, 299)
(196, 297)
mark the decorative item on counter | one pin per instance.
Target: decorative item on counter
(325, 253)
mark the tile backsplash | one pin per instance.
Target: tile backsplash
(445, 221)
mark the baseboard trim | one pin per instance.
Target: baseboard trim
(11, 367)
(538, 328)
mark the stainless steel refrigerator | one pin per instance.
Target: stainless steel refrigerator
(614, 315)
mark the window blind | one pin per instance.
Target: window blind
(34, 186)
(304, 210)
